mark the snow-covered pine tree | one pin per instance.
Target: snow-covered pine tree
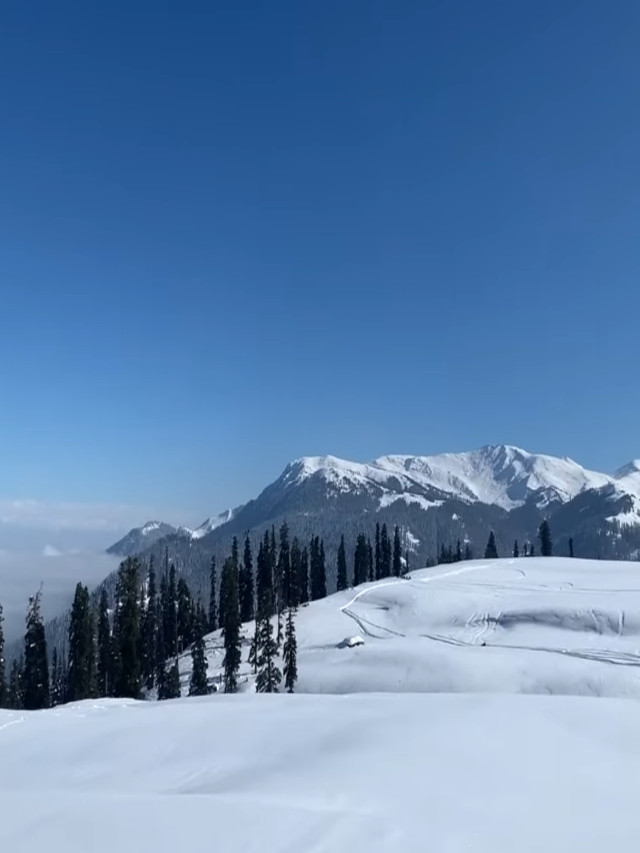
(290, 654)
(269, 676)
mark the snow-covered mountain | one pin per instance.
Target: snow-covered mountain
(502, 475)
(209, 525)
(141, 538)
(436, 500)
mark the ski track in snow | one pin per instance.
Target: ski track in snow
(480, 624)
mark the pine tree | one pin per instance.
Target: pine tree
(288, 594)
(296, 567)
(3, 674)
(360, 560)
(171, 683)
(213, 610)
(378, 557)
(35, 676)
(198, 685)
(342, 566)
(150, 630)
(532, 550)
(458, 554)
(252, 658)
(571, 547)
(269, 676)
(318, 569)
(126, 631)
(184, 615)
(516, 550)
(55, 676)
(290, 654)
(468, 553)
(231, 626)
(443, 555)
(264, 579)
(397, 552)
(82, 653)
(15, 698)
(370, 569)
(169, 610)
(544, 535)
(303, 577)
(385, 552)
(247, 606)
(491, 551)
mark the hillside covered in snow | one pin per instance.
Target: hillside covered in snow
(431, 737)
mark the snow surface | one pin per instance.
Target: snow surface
(502, 475)
(429, 748)
(533, 625)
(305, 774)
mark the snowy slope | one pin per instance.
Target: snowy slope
(305, 774)
(534, 625)
(502, 475)
(209, 525)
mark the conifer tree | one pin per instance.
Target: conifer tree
(468, 553)
(269, 676)
(171, 683)
(35, 675)
(286, 593)
(397, 552)
(252, 658)
(544, 535)
(296, 568)
(532, 550)
(516, 549)
(198, 685)
(458, 555)
(385, 552)
(126, 631)
(53, 688)
(247, 605)
(318, 569)
(370, 569)
(213, 609)
(15, 698)
(171, 615)
(571, 547)
(491, 551)
(231, 626)
(378, 556)
(82, 655)
(3, 673)
(264, 579)
(360, 560)
(303, 577)
(443, 554)
(342, 566)
(150, 630)
(290, 654)
(185, 615)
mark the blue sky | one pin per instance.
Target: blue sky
(232, 234)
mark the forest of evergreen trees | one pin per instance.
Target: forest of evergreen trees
(129, 647)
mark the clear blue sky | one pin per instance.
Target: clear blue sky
(236, 233)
